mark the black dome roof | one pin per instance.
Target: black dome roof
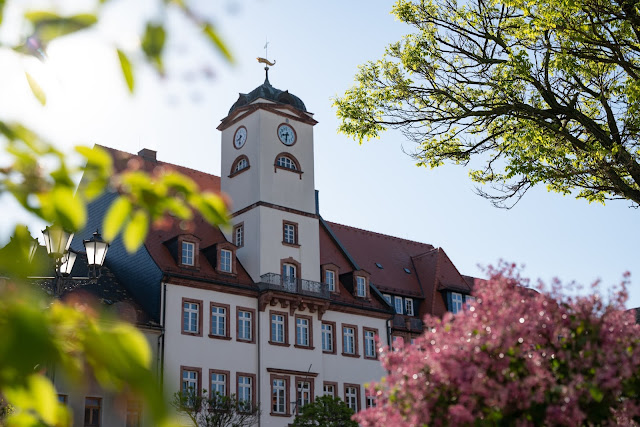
(266, 91)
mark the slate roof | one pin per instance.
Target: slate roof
(268, 92)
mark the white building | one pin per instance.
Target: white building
(283, 306)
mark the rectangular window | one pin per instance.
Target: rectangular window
(408, 306)
(190, 380)
(387, 297)
(245, 391)
(398, 304)
(361, 284)
(245, 325)
(218, 381)
(371, 401)
(187, 253)
(351, 396)
(370, 343)
(219, 316)
(279, 392)
(456, 302)
(238, 235)
(469, 300)
(396, 342)
(349, 345)
(330, 280)
(63, 398)
(304, 394)
(92, 409)
(191, 317)
(290, 233)
(328, 338)
(278, 328)
(303, 331)
(225, 261)
(134, 413)
(329, 389)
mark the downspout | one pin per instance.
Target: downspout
(258, 389)
(164, 317)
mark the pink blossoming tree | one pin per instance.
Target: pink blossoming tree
(516, 357)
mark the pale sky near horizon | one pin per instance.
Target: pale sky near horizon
(317, 47)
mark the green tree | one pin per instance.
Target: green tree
(326, 411)
(39, 333)
(544, 92)
(216, 410)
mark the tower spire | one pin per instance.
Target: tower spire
(266, 61)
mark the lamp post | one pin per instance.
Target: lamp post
(58, 242)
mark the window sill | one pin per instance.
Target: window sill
(276, 167)
(219, 337)
(370, 357)
(193, 334)
(293, 245)
(328, 352)
(226, 273)
(275, 414)
(236, 173)
(247, 341)
(304, 347)
(351, 355)
(281, 344)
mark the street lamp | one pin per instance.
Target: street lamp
(58, 242)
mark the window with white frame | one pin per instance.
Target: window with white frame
(225, 261)
(351, 398)
(277, 328)
(348, 340)
(304, 393)
(289, 233)
(302, 331)
(218, 385)
(398, 304)
(245, 325)
(327, 337)
(245, 391)
(218, 321)
(238, 235)
(408, 306)
(289, 273)
(456, 302)
(286, 162)
(361, 286)
(387, 298)
(190, 320)
(189, 383)
(469, 300)
(329, 390)
(279, 396)
(330, 280)
(240, 165)
(371, 401)
(187, 253)
(369, 343)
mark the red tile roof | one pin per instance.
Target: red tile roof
(172, 227)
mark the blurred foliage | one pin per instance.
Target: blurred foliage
(325, 411)
(215, 411)
(41, 335)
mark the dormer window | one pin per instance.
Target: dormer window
(239, 165)
(287, 162)
(330, 276)
(225, 261)
(361, 286)
(187, 257)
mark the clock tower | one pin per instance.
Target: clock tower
(268, 171)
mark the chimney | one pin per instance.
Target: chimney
(147, 154)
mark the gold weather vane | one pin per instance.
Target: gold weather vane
(266, 55)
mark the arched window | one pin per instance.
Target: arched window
(241, 164)
(288, 162)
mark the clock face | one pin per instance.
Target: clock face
(240, 137)
(286, 134)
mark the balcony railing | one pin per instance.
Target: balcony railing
(293, 285)
(406, 322)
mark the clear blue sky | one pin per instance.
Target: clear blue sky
(318, 47)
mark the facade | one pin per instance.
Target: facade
(282, 306)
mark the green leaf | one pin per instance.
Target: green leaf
(36, 89)
(136, 231)
(48, 25)
(153, 44)
(2, 4)
(38, 394)
(596, 393)
(213, 36)
(115, 218)
(62, 207)
(127, 69)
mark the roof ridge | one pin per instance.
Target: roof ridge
(384, 235)
(158, 161)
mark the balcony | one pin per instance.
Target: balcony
(412, 324)
(277, 282)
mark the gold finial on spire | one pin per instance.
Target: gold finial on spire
(266, 61)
